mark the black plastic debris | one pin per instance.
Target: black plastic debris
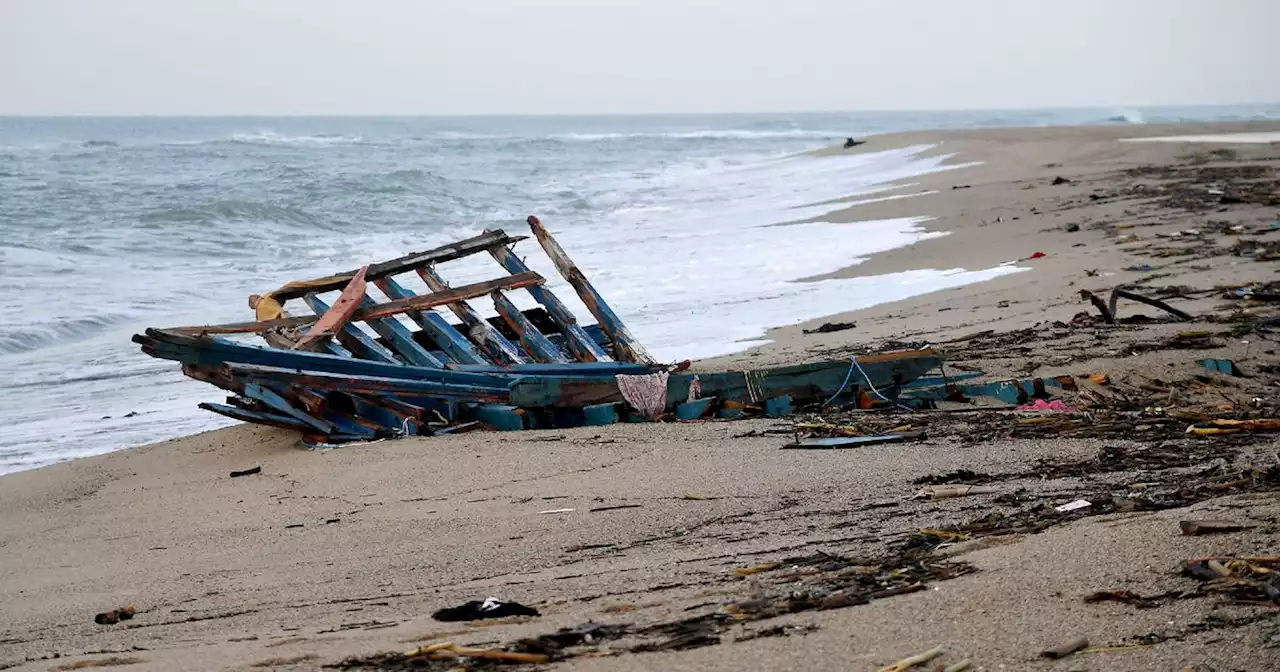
(476, 610)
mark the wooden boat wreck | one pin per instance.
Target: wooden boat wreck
(358, 368)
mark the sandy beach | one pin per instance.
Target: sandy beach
(696, 542)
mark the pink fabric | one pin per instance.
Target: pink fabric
(647, 393)
(1041, 405)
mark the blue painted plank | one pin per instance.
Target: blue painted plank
(352, 337)
(434, 326)
(315, 380)
(567, 369)
(500, 350)
(259, 417)
(274, 400)
(531, 339)
(218, 351)
(580, 345)
(400, 338)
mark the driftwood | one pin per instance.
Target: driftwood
(1108, 309)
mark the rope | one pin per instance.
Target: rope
(854, 364)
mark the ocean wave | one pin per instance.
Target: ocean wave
(229, 210)
(273, 138)
(1127, 117)
(34, 337)
(715, 134)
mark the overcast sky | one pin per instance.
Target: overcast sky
(628, 56)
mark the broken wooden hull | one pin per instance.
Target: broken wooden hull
(360, 368)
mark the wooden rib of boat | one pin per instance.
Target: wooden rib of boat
(368, 367)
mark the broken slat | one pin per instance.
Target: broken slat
(500, 350)
(836, 442)
(273, 399)
(353, 338)
(259, 417)
(580, 345)
(440, 331)
(336, 317)
(400, 338)
(626, 345)
(1155, 303)
(399, 265)
(388, 309)
(534, 343)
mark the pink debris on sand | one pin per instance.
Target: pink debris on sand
(1040, 405)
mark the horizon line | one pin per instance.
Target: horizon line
(429, 115)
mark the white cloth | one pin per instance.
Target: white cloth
(646, 393)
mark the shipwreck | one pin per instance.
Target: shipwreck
(356, 367)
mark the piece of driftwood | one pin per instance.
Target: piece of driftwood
(1066, 648)
(828, 443)
(1193, 528)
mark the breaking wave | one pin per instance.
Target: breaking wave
(26, 339)
(273, 138)
(1127, 117)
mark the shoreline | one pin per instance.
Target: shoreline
(676, 532)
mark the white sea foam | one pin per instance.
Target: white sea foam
(267, 137)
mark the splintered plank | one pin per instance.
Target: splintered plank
(500, 350)
(388, 309)
(581, 346)
(537, 345)
(337, 316)
(399, 265)
(626, 345)
(440, 331)
(353, 338)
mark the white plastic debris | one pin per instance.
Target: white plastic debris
(1072, 506)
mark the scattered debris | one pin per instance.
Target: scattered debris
(476, 610)
(918, 659)
(1073, 506)
(850, 143)
(827, 443)
(1060, 180)
(1040, 405)
(829, 327)
(947, 491)
(1193, 528)
(551, 511)
(115, 615)
(246, 472)
(110, 661)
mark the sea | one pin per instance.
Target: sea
(112, 225)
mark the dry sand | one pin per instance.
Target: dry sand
(328, 555)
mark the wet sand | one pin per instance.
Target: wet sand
(326, 556)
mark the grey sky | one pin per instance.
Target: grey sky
(584, 56)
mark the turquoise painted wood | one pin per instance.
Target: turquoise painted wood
(778, 406)
(534, 343)
(435, 327)
(600, 414)
(502, 418)
(802, 382)
(358, 342)
(580, 345)
(692, 410)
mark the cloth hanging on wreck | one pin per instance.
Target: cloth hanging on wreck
(646, 393)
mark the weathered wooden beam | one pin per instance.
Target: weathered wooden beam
(336, 317)
(537, 345)
(400, 338)
(388, 309)
(626, 346)
(273, 399)
(500, 350)
(580, 345)
(409, 262)
(434, 326)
